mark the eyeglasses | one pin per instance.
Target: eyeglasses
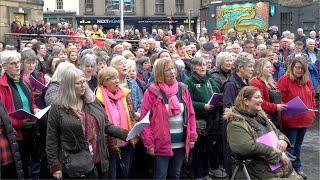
(80, 83)
(170, 70)
(299, 68)
(17, 63)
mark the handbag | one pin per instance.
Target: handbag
(201, 125)
(80, 163)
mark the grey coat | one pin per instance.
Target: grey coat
(62, 123)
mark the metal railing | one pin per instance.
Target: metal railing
(16, 39)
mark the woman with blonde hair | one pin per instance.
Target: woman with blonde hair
(172, 129)
(296, 83)
(118, 107)
(73, 57)
(271, 95)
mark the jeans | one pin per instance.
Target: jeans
(114, 161)
(168, 167)
(295, 135)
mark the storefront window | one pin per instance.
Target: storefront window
(114, 5)
(59, 4)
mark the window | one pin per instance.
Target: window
(114, 5)
(59, 4)
(159, 6)
(179, 6)
(286, 21)
(88, 5)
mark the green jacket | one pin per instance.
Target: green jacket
(242, 132)
(201, 91)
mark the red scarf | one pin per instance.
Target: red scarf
(170, 91)
(107, 95)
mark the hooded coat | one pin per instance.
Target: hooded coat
(243, 130)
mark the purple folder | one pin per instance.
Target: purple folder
(187, 60)
(22, 114)
(270, 139)
(295, 107)
(215, 98)
(37, 84)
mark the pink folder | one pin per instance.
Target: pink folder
(22, 114)
(270, 139)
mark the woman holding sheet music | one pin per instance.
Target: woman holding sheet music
(246, 123)
(77, 124)
(201, 88)
(295, 83)
(16, 94)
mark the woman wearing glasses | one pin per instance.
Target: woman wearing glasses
(77, 122)
(296, 83)
(172, 129)
(16, 94)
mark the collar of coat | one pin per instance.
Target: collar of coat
(231, 114)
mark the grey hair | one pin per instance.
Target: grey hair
(196, 60)
(28, 54)
(88, 59)
(7, 55)
(61, 69)
(131, 63)
(243, 60)
(221, 57)
(115, 60)
(66, 95)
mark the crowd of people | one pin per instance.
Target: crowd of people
(97, 94)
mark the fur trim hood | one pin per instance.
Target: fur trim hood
(231, 114)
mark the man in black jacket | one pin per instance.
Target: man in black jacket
(10, 159)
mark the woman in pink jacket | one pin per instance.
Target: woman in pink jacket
(172, 129)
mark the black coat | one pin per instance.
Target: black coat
(63, 123)
(6, 122)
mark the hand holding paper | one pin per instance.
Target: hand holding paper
(270, 139)
(138, 127)
(215, 98)
(295, 107)
(23, 115)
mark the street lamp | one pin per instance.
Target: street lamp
(121, 17)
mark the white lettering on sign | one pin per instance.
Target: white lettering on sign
(105, 21)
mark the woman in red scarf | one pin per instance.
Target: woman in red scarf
(119, 109)
(172, 129)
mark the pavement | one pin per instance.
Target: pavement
(310, 152)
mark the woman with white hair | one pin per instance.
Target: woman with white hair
(15, 94)
(53, 86)
(120, 64)
(223, 67)
(88, 65)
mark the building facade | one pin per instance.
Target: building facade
(57, 11)
(24, 10)
(285, 14)
(164, 14)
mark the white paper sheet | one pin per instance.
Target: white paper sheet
(139, 126)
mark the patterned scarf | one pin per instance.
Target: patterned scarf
(170, 91)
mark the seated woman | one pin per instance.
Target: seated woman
(77, 122)
(247, 122)
(172, 129)
(118, 107)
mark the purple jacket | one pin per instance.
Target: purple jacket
(157, 134)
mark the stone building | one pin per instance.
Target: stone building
(164, 14)
(22, 9)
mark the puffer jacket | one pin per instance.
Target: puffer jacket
(157, 134)
(9, 133)
(243, 130)
(63, 123)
